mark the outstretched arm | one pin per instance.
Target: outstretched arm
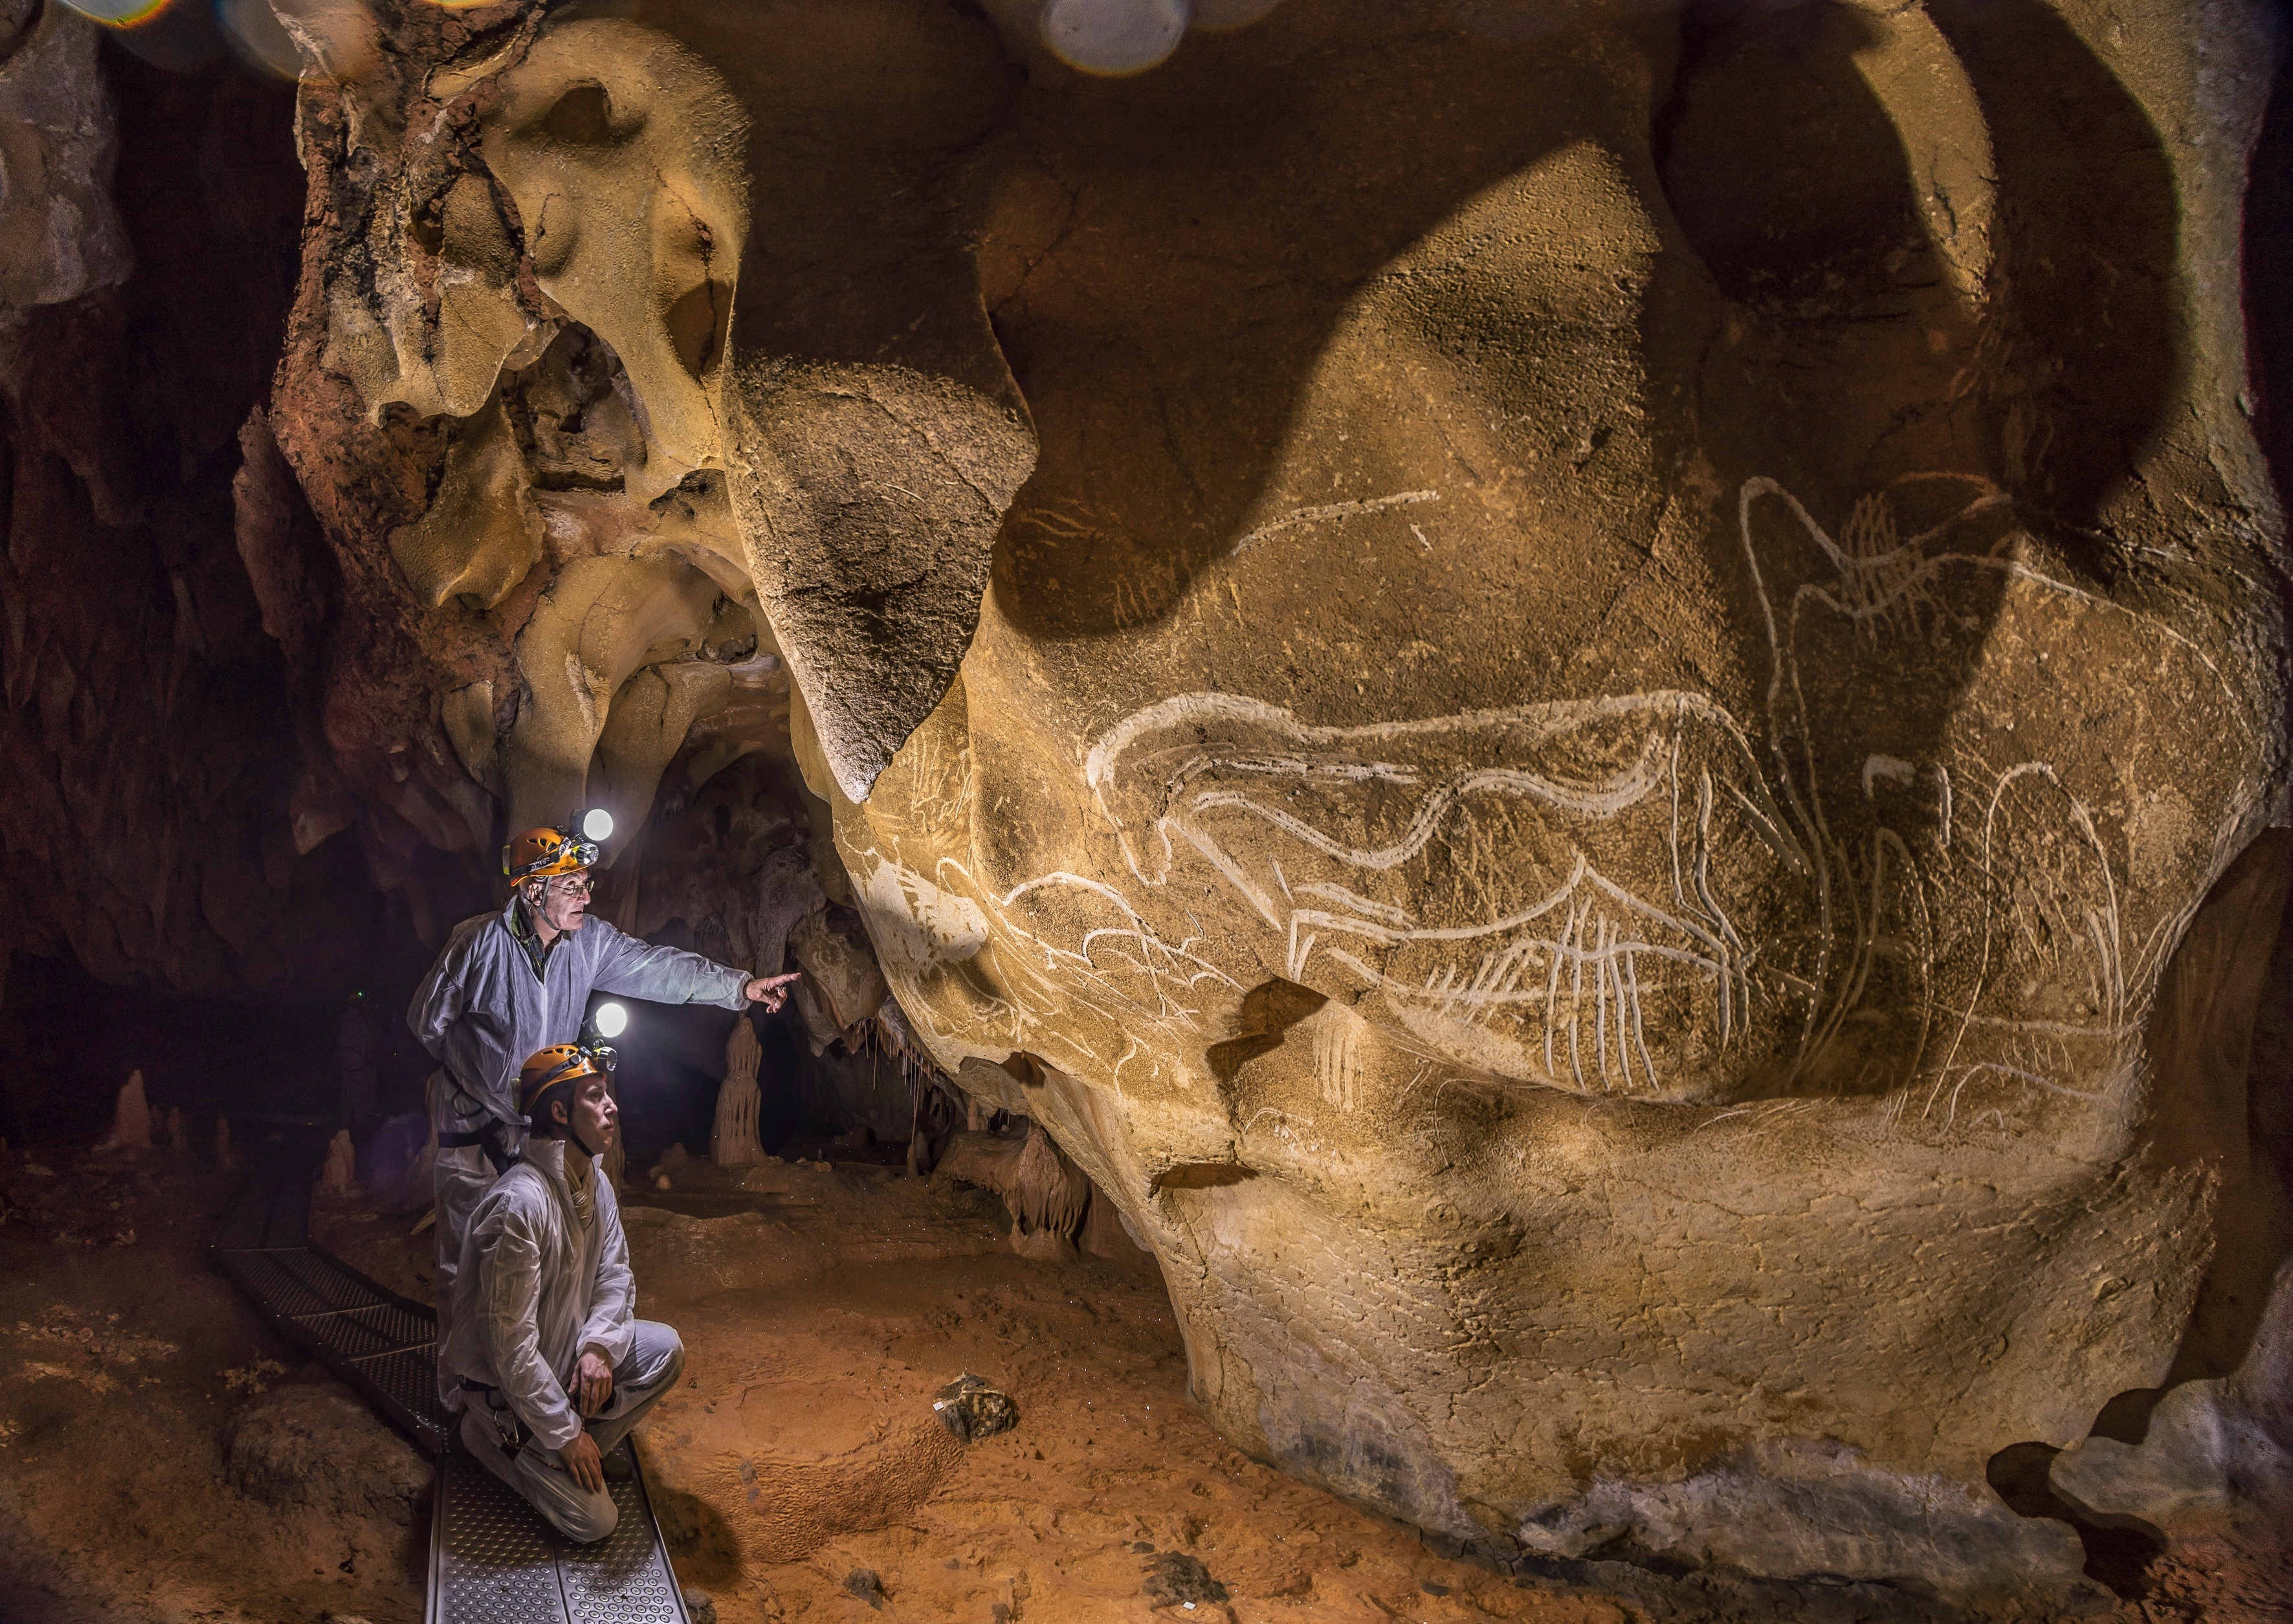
(671, 975)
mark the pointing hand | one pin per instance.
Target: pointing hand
(766, 989)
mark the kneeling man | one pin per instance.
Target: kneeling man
(552, 1368)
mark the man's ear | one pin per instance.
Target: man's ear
(559, 1114)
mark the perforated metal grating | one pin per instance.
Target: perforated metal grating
(407, 1380)
(624, 1578)
(329, 1281)
(493, 1560)
(360, 1333)
(268, 1279)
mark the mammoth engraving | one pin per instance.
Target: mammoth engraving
(1573, 672)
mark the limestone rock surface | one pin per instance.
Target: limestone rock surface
(1554, 788)
(60, 234)
(1608, 770)
(156, 823)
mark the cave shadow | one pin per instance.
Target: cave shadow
(2268, 257)
(2117, 1557)
(1796, 185)
(1218, 206)
(2085, 271)
(700, 1539)
(1839, 361)
(1181, 412)
(1790, 180)
(2253, 1218)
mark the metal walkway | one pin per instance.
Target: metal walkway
(492, 1559)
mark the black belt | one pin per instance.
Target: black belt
(487, 1139)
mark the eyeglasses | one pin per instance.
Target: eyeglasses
(573, 884)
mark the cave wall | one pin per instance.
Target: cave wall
(1449, 465)
(145, 826)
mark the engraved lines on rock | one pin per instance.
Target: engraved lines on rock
(1882, 590)
(1582, 951)
(1596, 940)
(1580, 962)
(1044, 982)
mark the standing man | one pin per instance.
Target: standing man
(545, 1346)
(513, 982)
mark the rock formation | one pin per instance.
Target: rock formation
(2215, 1455)
(840, 971)
(1555, 788)
(1046, 1196)
(131, 1118)
(150, 823)
(339, 1176)
(733, 1141)
(1582, 695)
(60, 234)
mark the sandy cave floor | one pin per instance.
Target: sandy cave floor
(164, 1455)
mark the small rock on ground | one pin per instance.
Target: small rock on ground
(1174, 1579)
(312, 1445)
(970, 1409)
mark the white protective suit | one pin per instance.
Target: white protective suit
(481, 1012)
(536, 1289)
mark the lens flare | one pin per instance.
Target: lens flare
(611, 1020)
(254, 32)
(1115, 37)
(1216, 16)
(119, 14)
(598, 823)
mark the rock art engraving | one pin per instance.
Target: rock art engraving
(1644, 896)
(1565, 752)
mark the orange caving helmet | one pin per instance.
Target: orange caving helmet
(541, 854)
(560, 1063)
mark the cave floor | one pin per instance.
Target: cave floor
(124, 1361)
(823, 1308)
(163, 1456)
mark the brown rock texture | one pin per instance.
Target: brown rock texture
(1621, 648)
(1584, 792)
(144, 816)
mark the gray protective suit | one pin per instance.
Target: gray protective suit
(481, 1012)
(537, 1288)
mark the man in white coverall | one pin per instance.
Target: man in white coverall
(515, 981)
(544, 1344)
